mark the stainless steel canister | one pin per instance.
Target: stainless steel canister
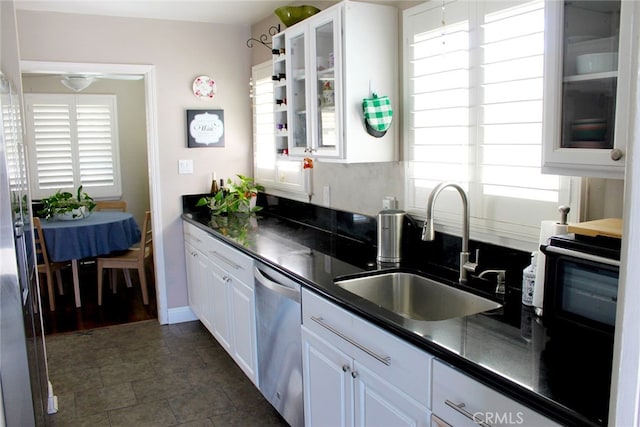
(390, 222)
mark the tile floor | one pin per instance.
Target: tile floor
(146, 374)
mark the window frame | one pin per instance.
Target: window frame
(113, 190)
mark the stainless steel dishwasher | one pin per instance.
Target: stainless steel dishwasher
(278, 317)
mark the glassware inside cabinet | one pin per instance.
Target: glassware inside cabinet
(325, 75)
(298, 103)
(590, 73)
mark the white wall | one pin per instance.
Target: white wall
(180, 51)
(132, 132)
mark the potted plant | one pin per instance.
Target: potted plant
(62, 205)
(236, 197)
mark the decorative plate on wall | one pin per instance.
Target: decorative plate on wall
(204, 87)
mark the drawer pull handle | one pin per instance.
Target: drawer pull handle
(460, 409)
(225, 259)
(383, 359)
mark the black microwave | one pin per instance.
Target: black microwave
(581, 283)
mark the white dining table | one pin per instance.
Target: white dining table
(101, 233)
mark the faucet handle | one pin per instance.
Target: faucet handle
(477, 260)
(500, 279)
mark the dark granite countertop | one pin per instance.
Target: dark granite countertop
(508, 350)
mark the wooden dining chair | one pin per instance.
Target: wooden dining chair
(111, 205)
(132, 259)
(45, 266)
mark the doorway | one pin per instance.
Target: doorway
(147, 75)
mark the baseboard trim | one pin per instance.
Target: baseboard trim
(181, 314)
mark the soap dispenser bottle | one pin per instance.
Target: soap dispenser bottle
(529, 280)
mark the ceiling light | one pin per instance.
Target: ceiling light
(77, 83)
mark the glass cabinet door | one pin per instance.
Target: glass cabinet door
(590, 73)
(298, 98)
(325, 74)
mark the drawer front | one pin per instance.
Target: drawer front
(462, 401)
(230, 259)
(220, 253)
(195, 236)
(402, 364)
(394, 360)
(326, 320)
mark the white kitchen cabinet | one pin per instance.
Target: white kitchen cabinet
(357, 374)
(334, 60)
(197, 266)
(221, 294)
(217, 283)
(273, 167)
(589, 55)
(460, 401)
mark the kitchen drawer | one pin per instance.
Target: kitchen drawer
(220, 253)
(231, 260)
(197, 237)
(394, 360)
(317, 311)
(409, 368)
(475, 402)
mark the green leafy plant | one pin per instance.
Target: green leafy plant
(63, 202)
(234, 198)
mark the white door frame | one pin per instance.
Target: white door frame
(148, 71)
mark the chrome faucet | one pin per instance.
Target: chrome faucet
(428, 233)
(500, 280)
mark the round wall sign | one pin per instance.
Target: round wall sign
(204, 87)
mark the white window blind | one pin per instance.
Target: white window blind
(473, 88)
(263, 123)
(73, 141)
(12, 134)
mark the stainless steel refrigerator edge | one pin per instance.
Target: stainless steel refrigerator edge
(278, 318)
(24, 386)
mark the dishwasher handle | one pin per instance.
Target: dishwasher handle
(284, 290)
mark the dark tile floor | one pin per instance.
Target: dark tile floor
(146, 374)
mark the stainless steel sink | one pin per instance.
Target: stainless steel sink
(416, 297)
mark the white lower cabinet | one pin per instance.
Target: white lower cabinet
(459, 400)
(221, 294)
(355, 373)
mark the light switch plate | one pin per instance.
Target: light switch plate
(185, 167)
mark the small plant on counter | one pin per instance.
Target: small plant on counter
(236, 197)
(63, 205)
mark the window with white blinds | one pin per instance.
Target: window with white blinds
(473, 96)
(263, 123)
(73, 141)
(11, 125)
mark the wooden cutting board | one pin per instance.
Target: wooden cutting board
(609, 227)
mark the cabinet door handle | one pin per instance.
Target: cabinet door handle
(345, 368)
(225, 259)
(383, 359)
(354, 374)
(460, 409)
(438, 422)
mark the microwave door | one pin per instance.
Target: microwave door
(589, 291)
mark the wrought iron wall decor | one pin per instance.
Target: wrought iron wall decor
(273, 30)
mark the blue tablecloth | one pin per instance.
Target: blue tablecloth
(99, 234)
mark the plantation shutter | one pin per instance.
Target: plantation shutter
(474, 92)
(73, 141)
(263, 123)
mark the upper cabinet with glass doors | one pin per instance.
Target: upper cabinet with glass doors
(589, 54)
(335, 59)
